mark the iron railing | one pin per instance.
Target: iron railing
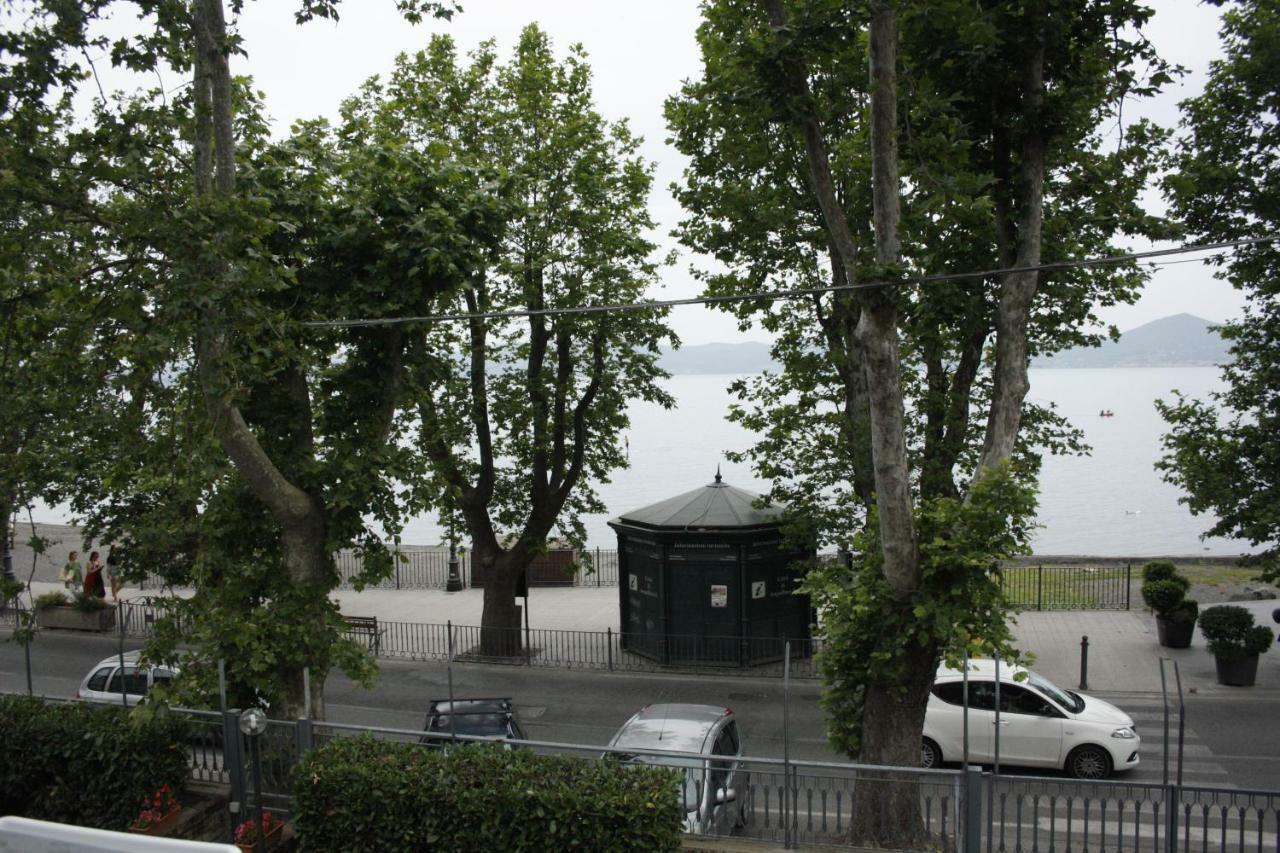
(823, 803)
(429, 569)
(1036, 587)
(1067, 587)
(609, 650)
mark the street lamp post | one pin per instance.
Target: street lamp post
(253, 722)
(454, 583)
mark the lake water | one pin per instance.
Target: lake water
(1112, 503)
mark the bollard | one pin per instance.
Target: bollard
(609, 645)
(1084, 662)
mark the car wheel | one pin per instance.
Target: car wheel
(930, 755)
(1089, 762)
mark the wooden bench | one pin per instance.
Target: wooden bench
(366, 626)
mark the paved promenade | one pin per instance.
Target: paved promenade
(1123, 653)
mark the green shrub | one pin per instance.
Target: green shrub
(89, 603)
(1232, 634)
(1165, 592)
(86, 765)
(1159, 570)
(51, 599)
(357, 794)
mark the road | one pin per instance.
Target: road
(1230, 738)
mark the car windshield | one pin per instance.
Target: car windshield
(470, 724)
(1054, 692)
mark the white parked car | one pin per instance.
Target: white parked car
(106, 681)
(711, 800)
(1040, 724)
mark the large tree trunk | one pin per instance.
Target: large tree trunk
(500, 621)
(301, 516)
(886, 808)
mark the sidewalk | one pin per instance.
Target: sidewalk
(1123, 653)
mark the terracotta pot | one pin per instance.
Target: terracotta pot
(1174, 634)
(1241, 672)
(159, 827)
(272, 838)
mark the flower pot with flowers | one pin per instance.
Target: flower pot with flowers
(246, 836)
(159, 813)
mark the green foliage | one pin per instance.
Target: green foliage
(356, 794)
(1232, 634)
(53, 598)
(1159, 570)
(84, 764)
(11, 588)
(869, 637)
(1166, 597)
(89, 603)
(1221, 451)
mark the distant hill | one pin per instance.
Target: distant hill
(746, 357)
(1182, 340)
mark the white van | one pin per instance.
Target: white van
(107, 680)
(714, 791)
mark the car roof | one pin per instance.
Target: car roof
(983, 668)
(131, 659)
(677, 727)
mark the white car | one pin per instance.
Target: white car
(105, 682)
(711, 801)
(1040, 724)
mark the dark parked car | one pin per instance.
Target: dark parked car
(493, 719)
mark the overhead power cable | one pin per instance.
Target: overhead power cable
(799, 293)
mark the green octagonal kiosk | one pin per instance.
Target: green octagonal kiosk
(706, 577)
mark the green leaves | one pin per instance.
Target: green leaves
(366, 794)
(1222, 452)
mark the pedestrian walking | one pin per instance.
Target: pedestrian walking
(93, 584)
(113, 576)
(72, 574)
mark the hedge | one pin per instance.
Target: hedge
(359, 793)
(86, 765)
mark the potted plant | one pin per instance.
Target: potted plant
(85, 613)
(246, 837)
(1165, 592)
(1235, 642)
(159, 813)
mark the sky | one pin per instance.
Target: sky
(641, 53)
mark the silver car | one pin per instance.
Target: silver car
(106, 681)
(713, 776)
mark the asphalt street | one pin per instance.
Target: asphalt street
(1229, 740)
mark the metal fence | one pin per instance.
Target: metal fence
(429, 569)
(1033, 814)
(609, 650)
(1028, 587)
(1067, 587)
(821, 803)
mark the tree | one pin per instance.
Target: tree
(1226, 186)
(805, 170)
(306, 419)
(520, 415)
